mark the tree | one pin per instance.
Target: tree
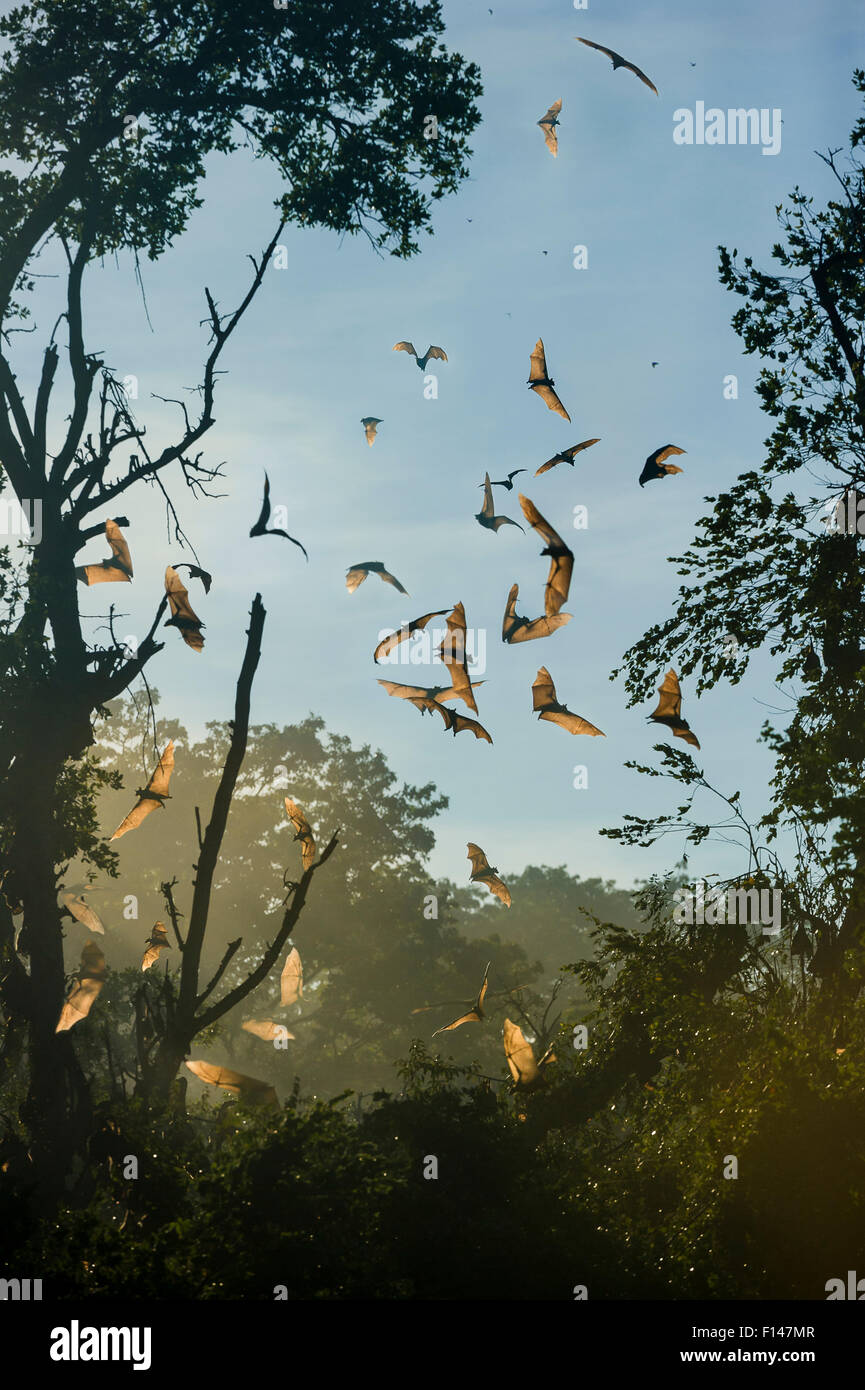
(108, 110)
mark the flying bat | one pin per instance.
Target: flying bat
(453, 653)
(291, 979)
(539, 381)
(487, 517)
(187, 622)
(156, 942)
(654, 466)
(153, 795)
(520, 1056)
(304, 833)
(431, 351)
(267, 1030)
(82, 912)
(91, 978)
(548, 123)
(388, 644)
(669, 709)
(547, 706)
(561, 558)
(261, 529)
(483, 873)
(358, 573)
(244, 1087)
(507, 482)
(566, 456)
(117, 569)
(517, 629)
(423, 696)
(474, 1014)
(370, 428)
(619, 62)
(457, 723)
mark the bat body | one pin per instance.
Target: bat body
(183, 617)
(370, 428)
(246, 1088)
(115, 570)
(434, 352)
(85, 991)
(619, 62)
(669, 709)
(542, 383)
(548, 123)
(453, 653)
(483, 872)
(654, 467)
(153, 795)
(546, 705)
(267, 1030)
(517, 629)
(156, 942)
(82, 912)
(561, 558)
(261, 529)
(291, 979)
(304, 833)
(475, 1014)
(358, 573)
(416, 625)
(566, 456)
(487, 514)
(507, 482)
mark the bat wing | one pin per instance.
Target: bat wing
(406, 692)
(681, 730)
(452, 653)
(355, 577)
(235, 1082)
(291, 979)
(558, 582)
(162, 772)
(569, 454)
(470, 1017)
(551, 400)
(304, 830)
(541, 627)
(482, 992)
(138, 813)
(510, 621)
(391, 579)
(370, 428)
(667, 451)
(572, 722)
(151, 955)
(478, 858)
(264, 515)
(119, 549)
(406, 347)
(550, 463)
(183, 615)
(543, 690)
(267, 1030)
(416, 625)
(488, 509)
(638, 72)
(497, 888)
(600, 48)
(78, 1004)
(550, 136)
(459, 722)
(499, 521)
(538, 363)
(436, 352)
(670, 703)
(83, 912)
(518, 1054)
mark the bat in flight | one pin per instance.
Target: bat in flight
(358, 573)
(304, 833)
(619, 62)
(435, 352)
(517, 629)
(153, 795)
(388, 644)
(654, 467)
(507, 482)
(261, 529)
(291, 979)
(546, 705)
(566, 456)
(117, 569)
(482, 872)
(457, 723)
(561, 558)
(475, 1014)
(453, 653)
(370, 428)
(246, 1088)
(156, 942)
(487, 514)
(267, 1030)
(520, 1056)
(548, 123)
(82, 912)
(541, 382)
(669, 709)
(423, 696)
(91, 978)
(183, 617)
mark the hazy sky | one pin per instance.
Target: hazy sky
(314, 355)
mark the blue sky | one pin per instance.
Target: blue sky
(314, 355)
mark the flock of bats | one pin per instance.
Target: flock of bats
(525, 1069)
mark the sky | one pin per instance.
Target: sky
(314, 355)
